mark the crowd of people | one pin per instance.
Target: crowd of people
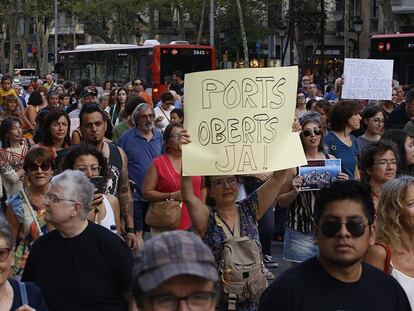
(96, 215)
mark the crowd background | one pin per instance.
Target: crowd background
(129, 148)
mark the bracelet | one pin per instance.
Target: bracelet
(130, 230)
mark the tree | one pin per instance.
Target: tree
(243, 34)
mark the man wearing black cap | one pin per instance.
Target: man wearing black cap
(175, 271)
(87, 96)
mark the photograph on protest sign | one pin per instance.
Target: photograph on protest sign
(319, 173)
(367, 79)
(240, 121)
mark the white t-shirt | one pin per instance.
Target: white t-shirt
(159, 111)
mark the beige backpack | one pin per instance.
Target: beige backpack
(241, 268)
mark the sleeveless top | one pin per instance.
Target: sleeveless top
(109, 219)
(166, 183)
(406, 282)
(115, 168)
(300, 214)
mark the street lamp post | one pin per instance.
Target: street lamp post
(56, 31)
(222, 36)
(282, 34)
(358, 29)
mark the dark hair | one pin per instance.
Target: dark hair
(178, 74)
(167, 133)
(398, 137)
(366, 161)
(40, 154)
(409, 95)
(109, 127)
(179, 112)
(369, 112)
(345, 190)
(310, 103)
(35, 99)
(329, 88)
(67, 84)
(104, 84)
(341, 112)
(10, 98)
(166, 96)
(52, 116)
(81, 149)
(6, 77)
(85, 82)
(131, 103)
(5, 128)
(63, 95)
(91, 108)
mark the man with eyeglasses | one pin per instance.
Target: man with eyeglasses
(138, 90)
(337, 279)
(142, 144)
(79, 265)
(175, 271)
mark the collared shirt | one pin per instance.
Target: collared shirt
(140, 154)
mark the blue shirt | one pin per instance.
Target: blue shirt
(347, 154)
(140, 154)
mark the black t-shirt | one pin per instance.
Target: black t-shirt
(397, 119)
(308, 287)
(34, 296)
(88, 272)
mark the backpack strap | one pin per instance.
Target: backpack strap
(387, 266)
(23, 293)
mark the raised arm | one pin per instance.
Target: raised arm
(269, 191)
(290, 189)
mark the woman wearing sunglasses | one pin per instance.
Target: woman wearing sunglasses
(298, 239)
(27, 221)
(15, 295)
(393, 253)
(339, 142)
(12, 154)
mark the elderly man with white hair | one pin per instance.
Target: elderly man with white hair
(80, 265)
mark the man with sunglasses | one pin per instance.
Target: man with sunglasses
(337, 279)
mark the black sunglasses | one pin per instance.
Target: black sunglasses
(308, 133)
(355, 227)
(34, 167)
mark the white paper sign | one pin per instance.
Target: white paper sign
(367, 79)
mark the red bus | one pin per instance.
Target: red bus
(400, 48)
(121, 63)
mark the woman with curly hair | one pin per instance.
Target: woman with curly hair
(395, 232)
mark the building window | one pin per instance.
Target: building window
(375, 8)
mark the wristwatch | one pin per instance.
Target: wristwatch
(130, 230)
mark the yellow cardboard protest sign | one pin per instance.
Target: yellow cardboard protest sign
(240, 121)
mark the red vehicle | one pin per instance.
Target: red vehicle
(400, 48)
(121, 63)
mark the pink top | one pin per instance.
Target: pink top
(165, 172)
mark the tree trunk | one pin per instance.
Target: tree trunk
(12, 32)
(200, 28)
(388, 16)
(243, 34)
(180, 21)
(151, 22)
(45, 49)
(23, 43)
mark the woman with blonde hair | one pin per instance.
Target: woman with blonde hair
(393, 253)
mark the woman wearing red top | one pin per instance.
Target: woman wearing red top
(162, 180)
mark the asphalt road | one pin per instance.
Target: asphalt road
(277, 254)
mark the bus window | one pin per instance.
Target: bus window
(121, 67)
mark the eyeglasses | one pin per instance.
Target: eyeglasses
(4, 253)
(231, 181)
(386, 163)
(33, 167)
(145, 117)
(379, 121)
(355, 227)
(137, 84)
(198, 301)
(53, 198)
(94, 170)
(316, 132)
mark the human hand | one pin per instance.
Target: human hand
(131, 240)
(296, 127)
(97, 199)
(158, 119)
(297, 183)
(263, 177)
(176, 196)
(185, 137)
(342, 176)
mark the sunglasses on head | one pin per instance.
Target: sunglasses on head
(34, 167)
(330, 228)
(308, 133)
(4, 253)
